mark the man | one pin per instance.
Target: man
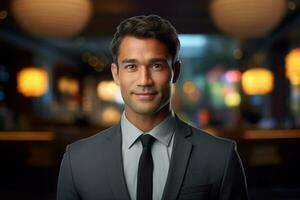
(181, 162)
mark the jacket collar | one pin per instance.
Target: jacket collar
(179, 160)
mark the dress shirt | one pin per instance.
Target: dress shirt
(161, 153)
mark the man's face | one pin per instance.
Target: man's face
(145, 75)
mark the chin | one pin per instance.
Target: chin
(146, 112)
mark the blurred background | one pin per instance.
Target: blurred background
(240, 79)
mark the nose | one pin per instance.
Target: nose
(145, 77)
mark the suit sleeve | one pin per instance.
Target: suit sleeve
(65, 187)
(234, 186)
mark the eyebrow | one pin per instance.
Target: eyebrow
(152, 60)
(129, 61)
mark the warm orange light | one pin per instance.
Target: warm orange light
(248, 18)
(68, 85)
(257, 81)
(292, 66)
(271, 134)
(27, 136)
(191, 90)
(110, 115)
(107, 90)
(52, 18)
(189, 87)
(32, 82)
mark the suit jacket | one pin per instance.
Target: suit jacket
(202, 167)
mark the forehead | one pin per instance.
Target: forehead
(132, 46)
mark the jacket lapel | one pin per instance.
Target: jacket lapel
(114, 164)
(179, 160)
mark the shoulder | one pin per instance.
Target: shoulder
(201, 136)
(93, 142)
(212, 150)
(204, 140)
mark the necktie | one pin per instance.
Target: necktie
(145, 171)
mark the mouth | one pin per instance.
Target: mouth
(145, 96)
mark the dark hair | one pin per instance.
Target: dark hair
(151, 26)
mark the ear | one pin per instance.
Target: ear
(176, 69)
(115, 73)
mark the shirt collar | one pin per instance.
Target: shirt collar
(162, 132)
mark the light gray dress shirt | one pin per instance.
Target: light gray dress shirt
(161, 153)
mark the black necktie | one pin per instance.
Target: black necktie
(145, 171)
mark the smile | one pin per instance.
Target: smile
(145, 96)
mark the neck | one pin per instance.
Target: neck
(147, 122)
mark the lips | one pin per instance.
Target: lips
(145, 96)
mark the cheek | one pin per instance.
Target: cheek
(125, 84)
(164, 81)
(165, 86)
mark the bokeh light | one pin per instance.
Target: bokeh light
(233, 99)
(257, 81)
(107, 90)
(32, 81)
(68, 85)
(292, 65)
(233, 76)
(110, 115)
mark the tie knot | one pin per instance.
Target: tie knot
(147, 140)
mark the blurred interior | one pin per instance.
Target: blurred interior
(240, 79)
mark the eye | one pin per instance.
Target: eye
(130, 67)
(157, 66)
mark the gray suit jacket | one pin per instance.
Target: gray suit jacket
(202, 167)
